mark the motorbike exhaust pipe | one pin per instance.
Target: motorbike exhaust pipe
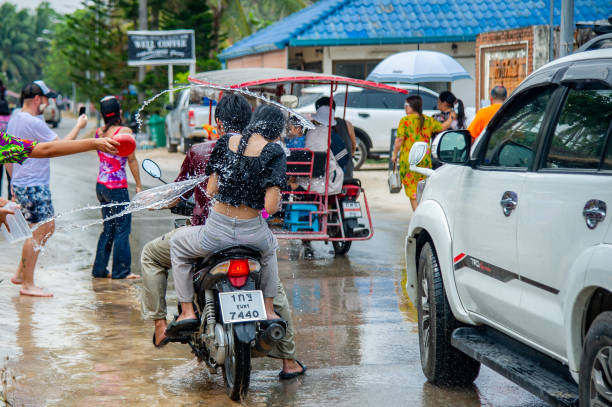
(266, 340)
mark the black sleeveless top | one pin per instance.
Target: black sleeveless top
(243, 180)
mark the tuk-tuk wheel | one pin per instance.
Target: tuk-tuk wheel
(341, 248)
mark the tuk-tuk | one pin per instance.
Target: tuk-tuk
(306, 214)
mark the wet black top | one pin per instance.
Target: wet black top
(243, 180)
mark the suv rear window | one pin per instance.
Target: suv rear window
(581, 131)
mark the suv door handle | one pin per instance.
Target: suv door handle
(594, 212)
(509, 202)
(364, 115)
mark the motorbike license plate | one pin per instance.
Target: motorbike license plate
(242, 306)
(351, 209)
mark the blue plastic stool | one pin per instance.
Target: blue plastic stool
(297, 217)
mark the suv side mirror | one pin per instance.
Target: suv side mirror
(169, 106)
(416, 155)
(452, 147)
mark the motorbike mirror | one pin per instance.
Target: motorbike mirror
(151, 168)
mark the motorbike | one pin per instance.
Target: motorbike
(229, 304)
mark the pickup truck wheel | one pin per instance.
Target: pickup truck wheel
(186, 144)
(171, 147)
(596, 365)
(442, 364)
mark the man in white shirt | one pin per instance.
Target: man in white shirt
(30, 180)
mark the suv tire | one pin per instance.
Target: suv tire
(442, 364)
(361, 153)
(595, 371)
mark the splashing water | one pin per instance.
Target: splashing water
(155, 198)
(303, 121)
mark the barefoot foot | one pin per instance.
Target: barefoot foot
(132, 277)
(16, 280)
(34, 291)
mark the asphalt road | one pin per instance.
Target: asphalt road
(356, 327)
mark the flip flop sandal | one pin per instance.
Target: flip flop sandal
(163, 343)
(182, 328)
(286, 376)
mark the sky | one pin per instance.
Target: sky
(62, 6)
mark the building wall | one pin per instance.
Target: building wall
(330, 56)
(271, 59)
(507, 57)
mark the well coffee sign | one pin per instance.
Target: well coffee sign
(161, 47)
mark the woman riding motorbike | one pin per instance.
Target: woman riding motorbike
(247, 173)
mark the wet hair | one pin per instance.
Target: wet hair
(449, 98)
(416, 104)
(111, 112)
(268, 120)
(234, 112)
(324, 101)
(499, 92)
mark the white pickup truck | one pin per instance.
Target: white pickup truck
(191, 110)
(509, 252)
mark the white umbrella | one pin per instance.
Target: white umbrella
(418, 66)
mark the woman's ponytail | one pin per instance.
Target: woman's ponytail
(460, 114)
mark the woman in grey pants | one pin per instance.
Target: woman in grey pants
(247, 173)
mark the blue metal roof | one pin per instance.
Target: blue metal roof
(361, 22)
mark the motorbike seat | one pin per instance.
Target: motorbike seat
(352, 181)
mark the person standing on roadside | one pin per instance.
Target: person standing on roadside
(111, 188)
(30, 180)
(415, 126)
(447, 116)
(484, 115)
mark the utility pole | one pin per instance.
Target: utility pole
(142, 25)
(551, 32)
(566, 42)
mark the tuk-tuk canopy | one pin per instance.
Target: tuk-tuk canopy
(251, 77)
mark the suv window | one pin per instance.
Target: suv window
(580, 134)
(512, 143)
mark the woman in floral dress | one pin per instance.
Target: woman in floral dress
(412, 128)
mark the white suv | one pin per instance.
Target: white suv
(373, 113)
(509, 253)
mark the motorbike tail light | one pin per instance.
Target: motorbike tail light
(350, 191)
(191, 118)
(238, 272)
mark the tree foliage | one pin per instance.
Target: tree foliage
(24, 42)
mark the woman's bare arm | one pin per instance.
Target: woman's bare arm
(272, 200)
(66, 147)
(133, 163)
(213, 185)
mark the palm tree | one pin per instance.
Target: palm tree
(17, 57)
(236, 21)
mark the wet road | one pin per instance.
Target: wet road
(356, 328)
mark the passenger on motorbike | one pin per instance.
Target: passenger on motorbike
(247, 173)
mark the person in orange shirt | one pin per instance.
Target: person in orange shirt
(484, 115)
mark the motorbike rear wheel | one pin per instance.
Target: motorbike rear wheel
(237, 367)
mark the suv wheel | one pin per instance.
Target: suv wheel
(596, 364)
(441, 363)
(361, 153)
